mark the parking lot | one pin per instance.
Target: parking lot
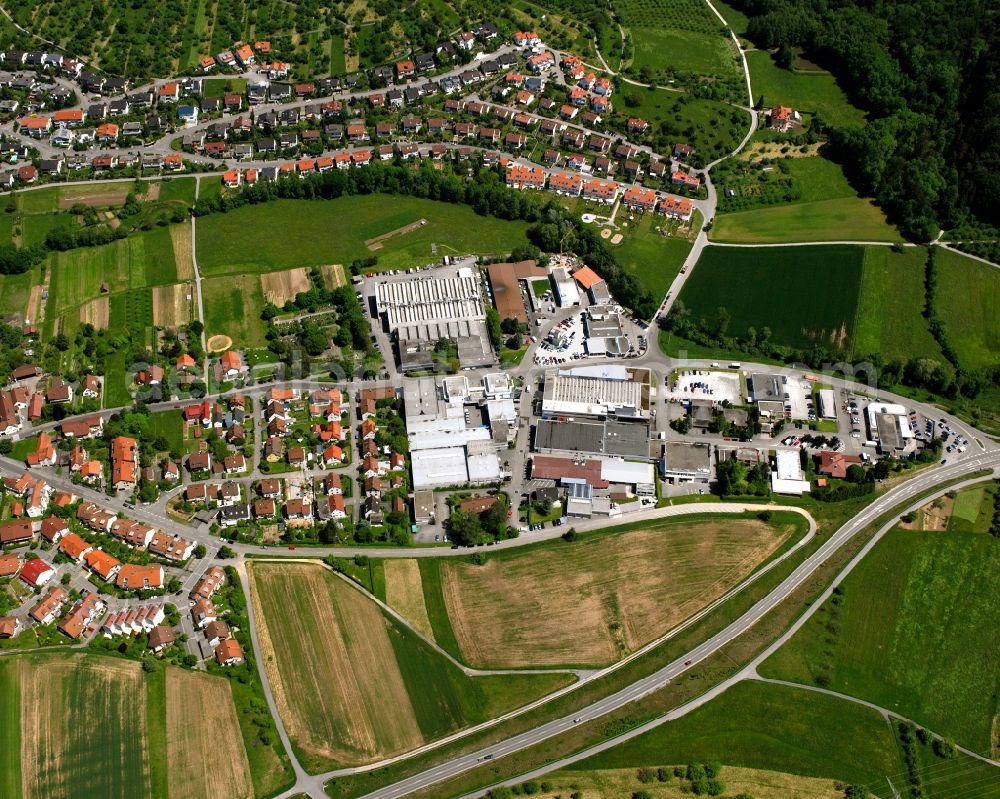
(565, 342)
(705, 384)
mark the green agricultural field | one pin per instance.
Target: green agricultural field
(233, 306)
(763, 726)
(761, 177)
(914, 630)
(805, 92)
(10, 727)
(817, 178)
(653, 258)
(83, 725)
(116, 394)
(889, 319)
(844, 219)
(780, 288)
(969, 305)
(35, 227)
(314, 232)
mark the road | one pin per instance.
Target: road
(646, 685)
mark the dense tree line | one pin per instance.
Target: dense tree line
(18, 260)
(926, 71)
(553, 228)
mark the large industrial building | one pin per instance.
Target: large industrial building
(686, 463)
(889, 427)
(600, 391)
(609, 437)
(787, 477)
(420, 311)
(451, 442)
(505, 282)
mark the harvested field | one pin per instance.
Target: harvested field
(83, 728)
(171, 306)
(94, 196)
(331, 665)
(376, 242)
(95, 313)
(933, 516)
(404, 591)
(152, 192)
(611, 595)
(219, 343)
(205, 754)
(180, 237)
(280, 287)
(333, 276)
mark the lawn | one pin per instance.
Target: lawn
(652, 258)
(177, 190)
(889, 319)
(686, 51)
(773, 288)
(841, 219)
(335, 231)
(338, 63)
(914, 630)
(354, 686)
(233, 306)
(805, 92)
(169, 425)
(762, 726)
(611, 597)
(217, 87)
(35, 227)
(969, 305)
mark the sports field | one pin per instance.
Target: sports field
(969, 305)
(756, 725)
(595, 600)
(841, 219)
(805, 92)
(353, 686)
(914, 630)
(244, 240)
(803, 294)
(83, 727)
(889, 318)
(205, 754)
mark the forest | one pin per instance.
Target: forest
(926, 72)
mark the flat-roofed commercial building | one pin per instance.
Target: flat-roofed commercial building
(623, 439)
(505, 282)
(686, 463)
(583, 392)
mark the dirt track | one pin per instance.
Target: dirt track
(376, 242)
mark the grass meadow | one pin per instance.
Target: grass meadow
(763, 726)
(889, 318)
(687, 51)
(969, 305)
(652, 258)
(233, 305)
(805, 92)
(335, 231)
(803, 294)
(839, 219)
(914, 630)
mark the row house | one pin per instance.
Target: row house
(525, 177)
(89, 608)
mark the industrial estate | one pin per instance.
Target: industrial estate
(482, 401)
